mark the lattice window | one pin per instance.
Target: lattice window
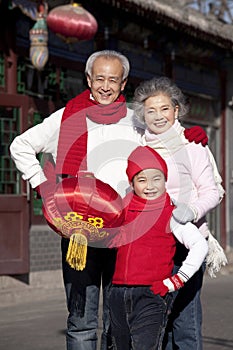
(21, 68)
(47, 84)
(9, 128)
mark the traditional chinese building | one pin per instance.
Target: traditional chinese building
(159, 38)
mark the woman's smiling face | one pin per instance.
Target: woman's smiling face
(160, 114)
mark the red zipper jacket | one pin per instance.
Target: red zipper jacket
(149, 245)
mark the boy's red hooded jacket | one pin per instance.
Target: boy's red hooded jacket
(146, 245)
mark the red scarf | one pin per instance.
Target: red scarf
(143, 215)
(72, 143)
(136, 203)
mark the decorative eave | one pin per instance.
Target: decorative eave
(169, 13)
(177, 16)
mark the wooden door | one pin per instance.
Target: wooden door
(14, 196)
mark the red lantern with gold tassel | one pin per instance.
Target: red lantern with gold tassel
(72, 22)
(85, 210)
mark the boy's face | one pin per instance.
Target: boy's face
(149, 184)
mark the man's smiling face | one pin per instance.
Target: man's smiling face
(106, 81)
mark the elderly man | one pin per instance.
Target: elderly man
(83, 136)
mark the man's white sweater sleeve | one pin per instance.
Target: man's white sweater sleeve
(41, 138)
(189, 235)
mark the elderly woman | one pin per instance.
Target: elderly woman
(158, 104)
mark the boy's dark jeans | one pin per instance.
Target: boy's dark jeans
(138, 316)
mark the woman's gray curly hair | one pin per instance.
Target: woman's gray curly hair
(156, 86)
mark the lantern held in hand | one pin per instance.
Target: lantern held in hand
(85, 210)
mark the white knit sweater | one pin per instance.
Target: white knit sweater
(190, 173)
(108, 148)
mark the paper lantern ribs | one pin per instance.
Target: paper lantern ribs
(85, 210)
(72, 22)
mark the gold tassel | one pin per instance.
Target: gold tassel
(77, 251)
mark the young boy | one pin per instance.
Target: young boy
(139, 296)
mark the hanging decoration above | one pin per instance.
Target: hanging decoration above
(39, 39)
(72, 22)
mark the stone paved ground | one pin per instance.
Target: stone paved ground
(33, 317)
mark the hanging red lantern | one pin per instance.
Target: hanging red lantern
(85, 210)
(72, 21)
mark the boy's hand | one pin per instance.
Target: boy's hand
(167, 286)
(159, 288)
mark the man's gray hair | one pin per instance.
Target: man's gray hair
(108, 54)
